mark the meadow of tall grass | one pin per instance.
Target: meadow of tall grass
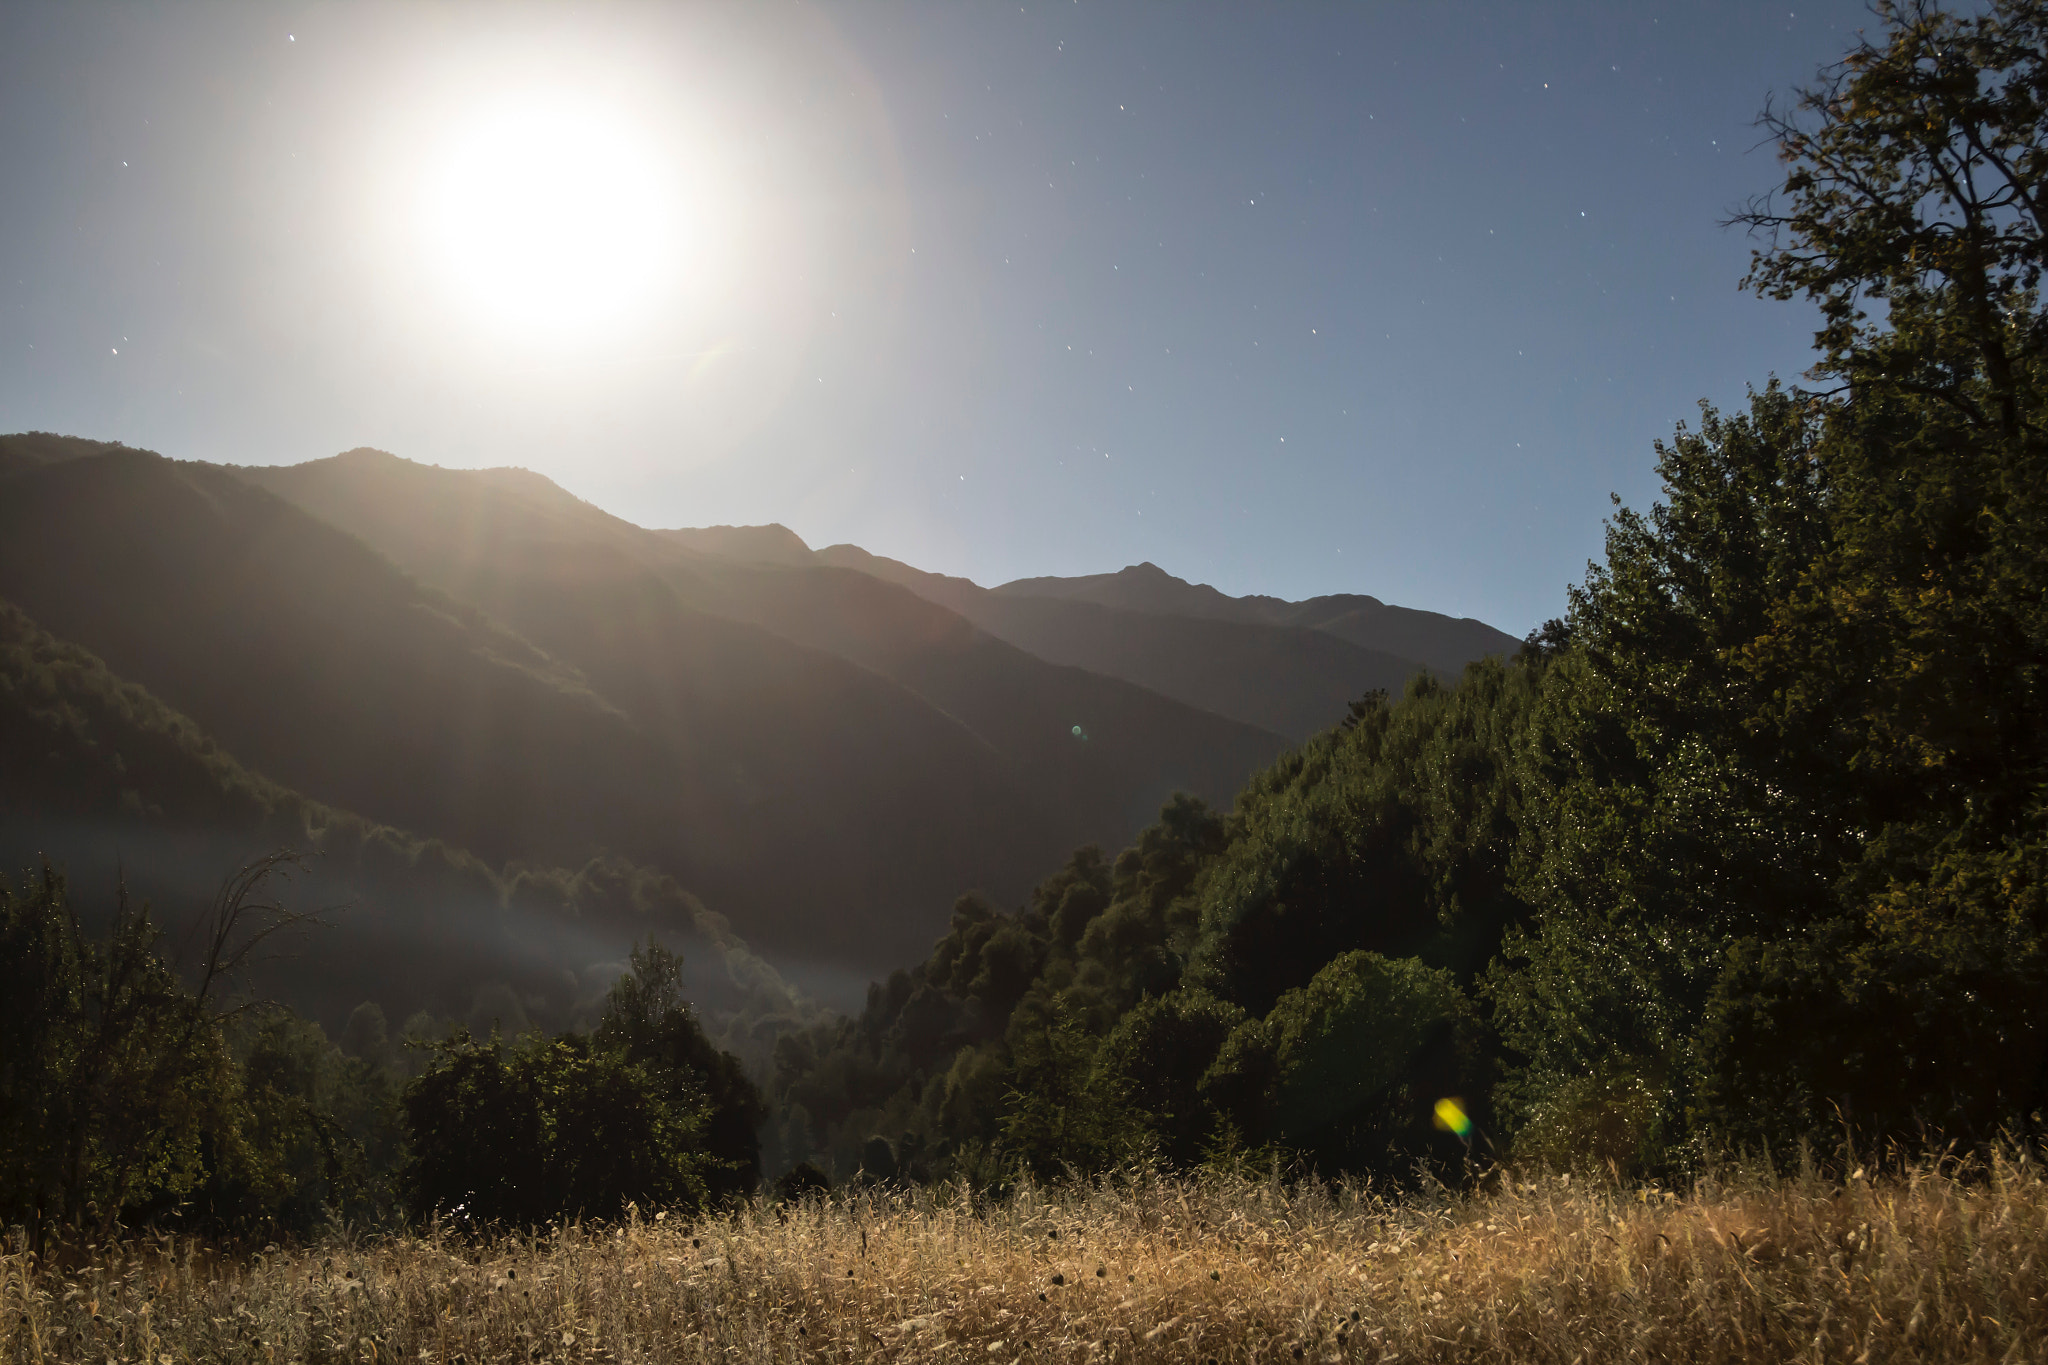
(1936, 1260)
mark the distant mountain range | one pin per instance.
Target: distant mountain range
(825, 747)
(1289, 667)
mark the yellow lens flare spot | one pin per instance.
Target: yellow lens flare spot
(1452, 1118)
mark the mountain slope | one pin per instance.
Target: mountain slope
(1288, 679)
(27, 449)
(103, 779)
(913, 755)
(1191, 643)
(310, 657)
(828, 811)
(771, 544)
(1445, 643)
(1139, 746)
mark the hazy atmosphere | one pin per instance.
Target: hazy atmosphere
(1332, 298)
(1065, 684)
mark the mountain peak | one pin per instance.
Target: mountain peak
(770, 544)
(1139, 587)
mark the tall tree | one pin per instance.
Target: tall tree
(1791, 832)
(1915, 184)
(115, 1078)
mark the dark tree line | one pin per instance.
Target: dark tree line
(139, 1085)
(643, 1110)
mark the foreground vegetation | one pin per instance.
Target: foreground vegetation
(1933, 1261)
(132, 1095)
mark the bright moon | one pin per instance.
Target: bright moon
(552, 219)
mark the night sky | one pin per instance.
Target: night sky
(1290, 299)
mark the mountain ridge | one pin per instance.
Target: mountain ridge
(1445, 643)
(1286, 666)
(789, 673)
(827, 747)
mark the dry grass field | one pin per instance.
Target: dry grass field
(1939, 1261)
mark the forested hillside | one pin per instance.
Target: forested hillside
(1299, 971)
(907, 753)
(1744, 851)
(99, 777)
(571, 693)
(1655, 885)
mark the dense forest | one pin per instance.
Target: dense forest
(1746, 851)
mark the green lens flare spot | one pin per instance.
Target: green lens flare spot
(1451, 1117)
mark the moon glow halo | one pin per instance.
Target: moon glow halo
(552, 219)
